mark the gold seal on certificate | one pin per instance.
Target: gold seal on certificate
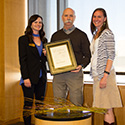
(60, 56)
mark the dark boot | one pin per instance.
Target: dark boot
(27, 117)
(27, 120)
(106, 123)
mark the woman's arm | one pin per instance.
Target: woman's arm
(103, 81)
(110, 49)
(22, 44)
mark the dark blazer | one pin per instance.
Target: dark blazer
(30, 60)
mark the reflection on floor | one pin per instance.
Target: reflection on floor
(18, 123)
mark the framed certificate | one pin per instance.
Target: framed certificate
(60, 56)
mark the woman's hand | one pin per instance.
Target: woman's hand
(44, 51)
(27, 83)
(103, 81)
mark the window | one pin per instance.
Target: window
(48, 10)
(115, 12)
(84, 10)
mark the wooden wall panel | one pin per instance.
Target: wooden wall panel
(88, 95)
(1, 59)
(12, 23)
(14, 27)
(120, 112)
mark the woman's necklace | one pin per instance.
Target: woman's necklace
(36, 35)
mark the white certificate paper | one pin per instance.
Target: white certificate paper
(60, 56)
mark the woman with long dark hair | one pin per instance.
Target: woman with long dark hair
(105, 91)
(32, 58)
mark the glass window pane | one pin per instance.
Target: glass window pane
(115, 12)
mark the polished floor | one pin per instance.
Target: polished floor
(18, 123)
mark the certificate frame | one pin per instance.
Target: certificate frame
(60, 56)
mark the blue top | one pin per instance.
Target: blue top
(39, 48)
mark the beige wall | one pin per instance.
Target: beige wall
(12, 24)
